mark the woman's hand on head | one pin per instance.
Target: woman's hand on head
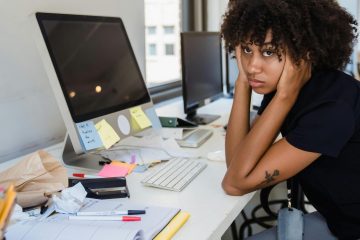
(242, 76)
(293, 77)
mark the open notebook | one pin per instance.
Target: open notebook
(59, 227)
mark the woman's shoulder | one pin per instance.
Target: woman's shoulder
(333, 75)
(333, 84)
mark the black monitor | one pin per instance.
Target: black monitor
(201, 55)
(232, 72)
(89, 52)
(93, 73)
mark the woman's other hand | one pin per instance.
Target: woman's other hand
(293, 77)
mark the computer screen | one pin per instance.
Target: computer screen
(93, 73)
(201, 55)
(232, 72)
(94, 63)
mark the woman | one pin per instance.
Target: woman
(292, 52)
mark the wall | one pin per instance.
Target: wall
(29, 116)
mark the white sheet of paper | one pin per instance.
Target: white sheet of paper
(59, 227)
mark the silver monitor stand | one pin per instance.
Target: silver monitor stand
(87, 161)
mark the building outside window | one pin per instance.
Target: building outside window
(152, 49)
(169, 49)
(169, 29)
(163, 64)
(151, 30)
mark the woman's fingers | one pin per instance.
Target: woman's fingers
(242, 75)
(294, 76)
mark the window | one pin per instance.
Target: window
(152, 49)
(169, 49)
(163, 60)
(151, 30)
(169, 29)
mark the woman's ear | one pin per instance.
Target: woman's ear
(308, 58)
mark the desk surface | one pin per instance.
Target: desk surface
(212, 211)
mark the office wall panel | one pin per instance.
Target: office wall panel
(29, 116)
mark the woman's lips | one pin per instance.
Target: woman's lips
(255, 83)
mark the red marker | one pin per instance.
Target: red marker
(106, 218)
(83, 175)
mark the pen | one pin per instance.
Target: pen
(83, 175)
(106, 218)
(109, 213)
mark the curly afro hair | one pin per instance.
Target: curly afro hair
(319, 29)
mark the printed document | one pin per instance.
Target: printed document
(59, 226)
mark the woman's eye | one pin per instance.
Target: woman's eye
(268, 53)
(246, 50)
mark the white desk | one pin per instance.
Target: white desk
(212, 211)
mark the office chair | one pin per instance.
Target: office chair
(297, 201)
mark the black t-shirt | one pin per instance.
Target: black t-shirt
(326, 119)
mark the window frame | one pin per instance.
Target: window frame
(173, 88)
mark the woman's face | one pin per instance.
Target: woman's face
(262, 65)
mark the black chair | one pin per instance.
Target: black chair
(297, 201)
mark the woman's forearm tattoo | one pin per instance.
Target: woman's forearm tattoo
(269, 178)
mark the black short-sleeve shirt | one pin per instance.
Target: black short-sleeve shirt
(326, 119)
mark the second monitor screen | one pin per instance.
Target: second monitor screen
(202, 67)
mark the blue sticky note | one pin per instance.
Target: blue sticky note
(155, 122)
(89, 135)
(140, 168)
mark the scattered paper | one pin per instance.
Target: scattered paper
(71, 199)
(89, 136)
(176, 133)
(139, 120)
(113, 171)
(107, 134)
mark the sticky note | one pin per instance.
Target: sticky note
(107, 134)
(139, 120)
(155, 121)
(113, 171)
(141, 168)
(129, 167)
(89, 135)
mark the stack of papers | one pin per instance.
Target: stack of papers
(59, 226)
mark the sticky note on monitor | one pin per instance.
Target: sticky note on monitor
(107, 134)
(139, 120)
(89, 135)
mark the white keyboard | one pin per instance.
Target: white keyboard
(175, 174)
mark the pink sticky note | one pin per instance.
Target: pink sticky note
(113, 171)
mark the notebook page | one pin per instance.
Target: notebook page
(58, 227)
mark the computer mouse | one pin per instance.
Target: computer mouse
(216, 155)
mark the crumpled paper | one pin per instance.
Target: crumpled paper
(35, 178)
(71, 199)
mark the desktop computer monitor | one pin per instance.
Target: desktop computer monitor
(232, 72)
(94, 75)
(201, 55)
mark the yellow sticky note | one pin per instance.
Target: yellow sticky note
(139, 120)
(107, 134)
